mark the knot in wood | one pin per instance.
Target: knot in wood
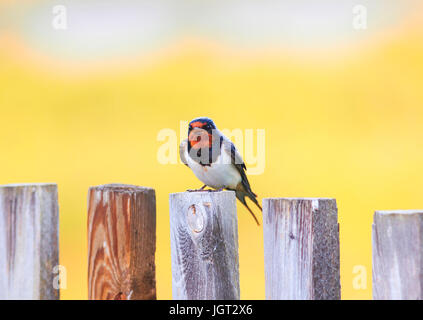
(195, 218)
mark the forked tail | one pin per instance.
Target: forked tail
(241, 197)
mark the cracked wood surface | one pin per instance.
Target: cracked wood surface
(301, 249)
(204, 246)
(397, 238)
(29, 241)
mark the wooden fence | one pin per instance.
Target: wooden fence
(301, 246)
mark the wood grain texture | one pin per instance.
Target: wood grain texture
(398, 255)
(29, 241)
(121, 242)
(204, 245)
(301, 249)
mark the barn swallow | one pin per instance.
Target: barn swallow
(215, 161)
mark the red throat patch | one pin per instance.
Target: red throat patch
(201, 139)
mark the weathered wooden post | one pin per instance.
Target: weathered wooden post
(204, 244)
(29, 241)
(301, 249)
(121, 242)
(398, 255)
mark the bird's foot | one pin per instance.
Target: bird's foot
(198, 190)
(216, 190)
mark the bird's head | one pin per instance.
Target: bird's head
(200, 133)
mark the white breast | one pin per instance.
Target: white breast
(220, 174)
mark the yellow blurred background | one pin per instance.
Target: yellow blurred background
(342, 109)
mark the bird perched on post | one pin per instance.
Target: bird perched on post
(215, 161)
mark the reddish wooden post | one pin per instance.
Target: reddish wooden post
(121, 242)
